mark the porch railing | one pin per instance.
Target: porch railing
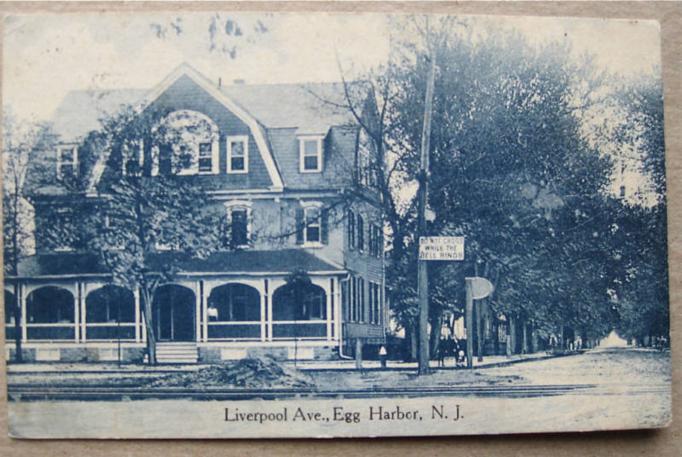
(108, 331)
(50, 331)
(234, 330)
(282, 330)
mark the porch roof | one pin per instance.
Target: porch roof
(243, 261)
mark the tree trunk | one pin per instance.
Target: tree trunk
(358, 353)
(18, 351)
(434, 340)
(149, 327)
(524, 348)
(480, 338)
(413, 342)
(512, 335)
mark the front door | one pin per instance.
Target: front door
(174, 312)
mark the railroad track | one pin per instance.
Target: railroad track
(42, 392)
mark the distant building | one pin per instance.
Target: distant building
(275, 157)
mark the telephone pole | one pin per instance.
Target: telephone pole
(422, 273)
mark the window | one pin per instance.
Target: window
(238, 154)
(622, 191)
(238, 224)
(310, 154)
(376, 244)
(361, 300)
(205, 158)
(366, 172)
(354, 299)
(133, 159)
(351, 230)
(361, 233)
(374, 303)
(67, 161)
(345, 297)
(312, 225)
(239, 227)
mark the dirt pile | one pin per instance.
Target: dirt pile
(255, 373)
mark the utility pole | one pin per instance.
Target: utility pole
(422, 273)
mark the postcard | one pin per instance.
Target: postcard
(272, 225)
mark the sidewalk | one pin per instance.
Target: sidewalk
(488, 362)
(313, 365)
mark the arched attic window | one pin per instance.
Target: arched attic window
(185, 143)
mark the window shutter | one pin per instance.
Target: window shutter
(324, 225)
(300, 225)
(215, 157)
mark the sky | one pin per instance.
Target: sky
(45, 56)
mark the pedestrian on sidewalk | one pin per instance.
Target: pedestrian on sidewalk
(383, 356)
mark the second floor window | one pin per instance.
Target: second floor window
(376, 244)
(67, 161)
(238, 154)
(312, 225)
(310, 152)
(239, 229)
(351, 230)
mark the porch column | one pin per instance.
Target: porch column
(24, 316)
(198, 300)
(143, 322)
(268, 307)
(82, 293)
(337, 311)
(330, 301)
(204, 312)
(76, 311)
(263, 310)
(136, 298)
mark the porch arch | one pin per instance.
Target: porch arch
(50, 305)
(234, 302)
(9, 307)
(50, 314)
(299, 302)
(173, 308)
(110, 304)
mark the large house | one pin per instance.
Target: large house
(272, 157)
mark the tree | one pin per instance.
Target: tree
(641, 286)
(22, 142)
(140, 213)
(512, 170)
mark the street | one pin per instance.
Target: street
(601, 389)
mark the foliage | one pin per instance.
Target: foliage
(140, 214)
(22, 143)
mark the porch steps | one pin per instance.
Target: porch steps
(176, 352)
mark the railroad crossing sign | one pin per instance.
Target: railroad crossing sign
(480, 287)
(441, 248)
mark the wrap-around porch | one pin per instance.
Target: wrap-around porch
(245, 309)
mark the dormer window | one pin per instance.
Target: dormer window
(133, 159)
(238, 154)
(205, 158)
(67, 161)
(185, 143)
(310, 154)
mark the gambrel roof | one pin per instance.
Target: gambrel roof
(304, 109)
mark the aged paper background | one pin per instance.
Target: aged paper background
(665, 442)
